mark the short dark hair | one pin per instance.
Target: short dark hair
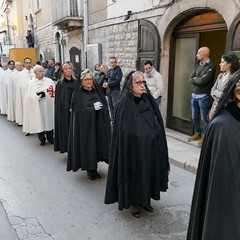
(11, 61)
(148, 62)
(112, 57)
(27, 58)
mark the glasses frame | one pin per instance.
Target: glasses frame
(139, 83)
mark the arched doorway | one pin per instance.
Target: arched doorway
(233, 37)
(148, 44)
(58, 47)
(204, 29)
(75, 58)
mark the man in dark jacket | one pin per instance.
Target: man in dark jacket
(202, 79)
(114, 80)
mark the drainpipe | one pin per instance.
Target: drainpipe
(85, 25)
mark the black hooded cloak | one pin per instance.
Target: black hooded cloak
(89, 131)
(63, 94)
(215, 207)
(138, 165)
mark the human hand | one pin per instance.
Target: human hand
(105, 85)
(97, 105)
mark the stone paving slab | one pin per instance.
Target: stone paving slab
(182, 153)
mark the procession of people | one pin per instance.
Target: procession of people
(97, 117)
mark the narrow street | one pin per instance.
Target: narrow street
(40, 200)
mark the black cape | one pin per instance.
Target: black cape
(63, 94)
(215, 211)
(138, 165)
(89, 132)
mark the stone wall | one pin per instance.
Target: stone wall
(45, 42)
(118, 40)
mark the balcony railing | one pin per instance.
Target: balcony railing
(67, 14)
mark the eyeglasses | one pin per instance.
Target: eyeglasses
(87, 79)
(139, 83)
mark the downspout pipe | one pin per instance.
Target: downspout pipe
(85, 26)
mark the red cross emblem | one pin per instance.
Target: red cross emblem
(51, 91)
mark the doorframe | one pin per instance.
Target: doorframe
(181, 124)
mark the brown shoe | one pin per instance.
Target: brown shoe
(194, 137)
(200, 141)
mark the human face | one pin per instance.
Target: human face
(200, 54)
(28, 64)
(138, 86)
(148, 68)
(68, 71)
(87, 82)
(113, 62)
(237, 95)
(39, 73)
(97, 67)
(11, 65)
(224, 66)
(19, 66)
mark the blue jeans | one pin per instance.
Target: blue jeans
(113, 98)
(200, 106)
(158, 101)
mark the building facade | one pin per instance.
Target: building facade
(168, 32)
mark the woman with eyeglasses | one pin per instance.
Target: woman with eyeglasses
(138, 163)
(89, 133)
(63, 94)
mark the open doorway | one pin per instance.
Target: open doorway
(191, 34)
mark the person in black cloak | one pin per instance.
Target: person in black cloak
(63, 94)
(215, 205)
(90, 131)
(138, 163)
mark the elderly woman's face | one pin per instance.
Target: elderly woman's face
(68, 71)
(87, 82)
(138, 86)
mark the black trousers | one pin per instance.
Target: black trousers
(48, 134)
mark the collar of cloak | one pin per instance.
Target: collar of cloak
(234, 110)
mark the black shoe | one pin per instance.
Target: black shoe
(149, 209)
(135, 211)
(27, 134)
(96, 174)
(42, 143)
(90, 175)
(51, 141)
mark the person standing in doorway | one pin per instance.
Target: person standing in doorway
(154, 81)
(114, 80)
(202, 79)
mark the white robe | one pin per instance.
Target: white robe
(12, 95)
(23, 78)
(39, 113)
(1, 73)
(4, 90)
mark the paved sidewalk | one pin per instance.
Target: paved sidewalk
(6, 230)
(182, 153)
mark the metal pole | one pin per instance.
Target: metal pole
(85, 24)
